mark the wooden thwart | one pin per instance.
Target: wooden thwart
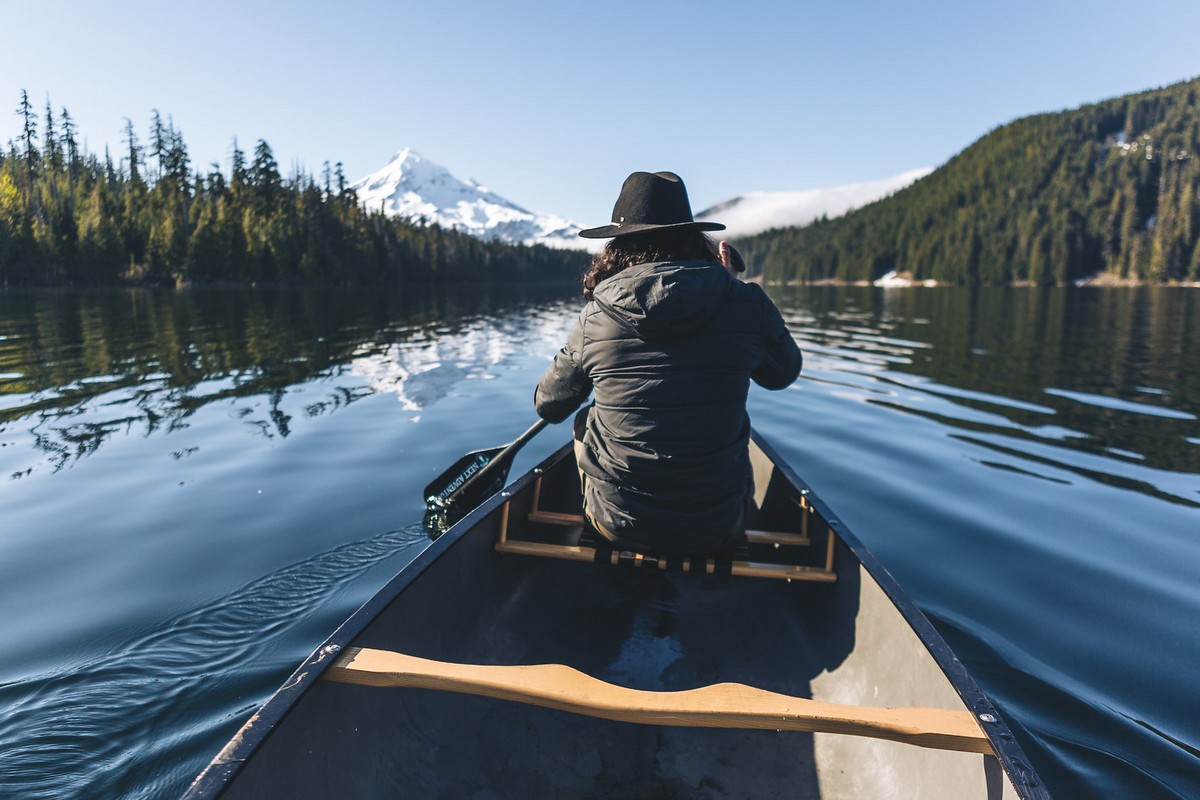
(585, 552)
(752, 536)
(723, 705)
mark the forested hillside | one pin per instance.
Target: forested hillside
(69, 217)
(1111, 188)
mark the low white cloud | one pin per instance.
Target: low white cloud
(759, 211)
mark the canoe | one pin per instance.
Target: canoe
(519, 656)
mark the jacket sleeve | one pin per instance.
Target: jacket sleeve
(565, 384)
(782, 360)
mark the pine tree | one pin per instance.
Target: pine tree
(71, 147)
(28, 131)
(264, 177)
(134, 152)
(50, 142)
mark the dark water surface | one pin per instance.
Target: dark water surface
(197, 487)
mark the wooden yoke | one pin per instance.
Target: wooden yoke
(723, 705)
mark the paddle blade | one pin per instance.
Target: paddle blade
(471, 480)
(443, 487)
(464, 489)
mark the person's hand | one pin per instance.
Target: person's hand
(731, 259)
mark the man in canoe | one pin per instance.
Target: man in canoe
(669, 341)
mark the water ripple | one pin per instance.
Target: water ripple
(1010, 426)
(1121, 405)
(79, 733)
(1082, 731)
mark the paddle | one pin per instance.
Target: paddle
(476, 476)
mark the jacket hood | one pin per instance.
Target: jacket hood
(664, 299)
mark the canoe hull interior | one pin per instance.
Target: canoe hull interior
(844, 642)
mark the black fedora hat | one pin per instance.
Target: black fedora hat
(650, 202)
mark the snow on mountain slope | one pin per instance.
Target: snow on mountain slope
(415, 188)
(758, 211)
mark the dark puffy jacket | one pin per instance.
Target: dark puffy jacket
(669, 349)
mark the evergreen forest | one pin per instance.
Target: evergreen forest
(1110, 190)
(73, 218)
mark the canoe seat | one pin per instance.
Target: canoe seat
(762, 554)
(722, 705)
(752, 536)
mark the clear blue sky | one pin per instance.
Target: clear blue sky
(552, 103)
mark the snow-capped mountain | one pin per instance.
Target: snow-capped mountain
(413, 187)
(758, 211)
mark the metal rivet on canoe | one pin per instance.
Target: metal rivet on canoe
(537, 470)
(987, 717)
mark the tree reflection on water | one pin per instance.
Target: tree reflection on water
(77, 367)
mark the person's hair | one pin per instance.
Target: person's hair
(670, 244)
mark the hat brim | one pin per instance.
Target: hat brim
(613, 231)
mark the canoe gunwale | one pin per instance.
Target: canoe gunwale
(1013, 760)
(224, 767)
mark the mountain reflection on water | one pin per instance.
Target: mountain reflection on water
(1026, 462)
(87, 365)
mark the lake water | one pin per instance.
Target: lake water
(197, 487)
